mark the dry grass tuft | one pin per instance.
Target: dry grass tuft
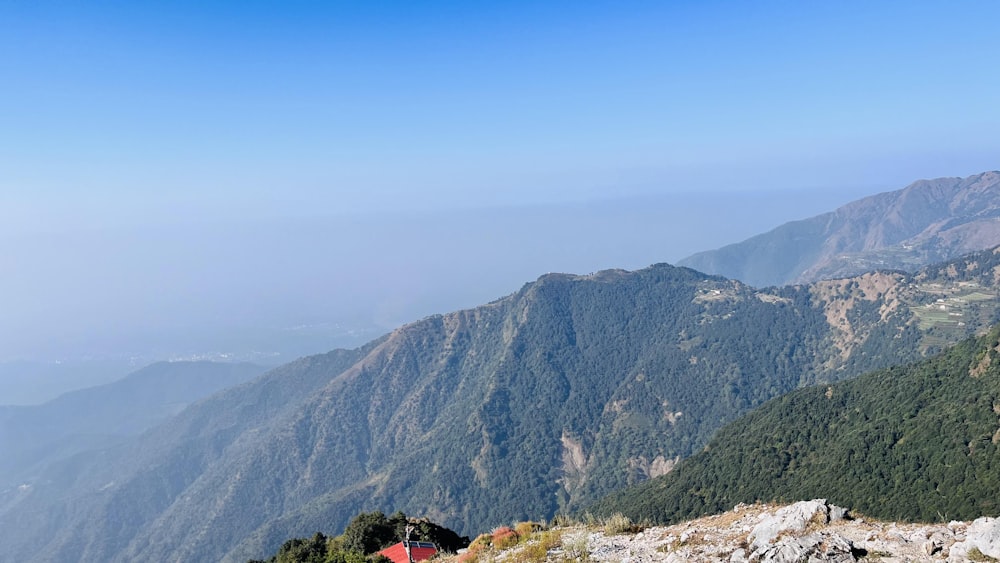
(618, 523)
(975, 555)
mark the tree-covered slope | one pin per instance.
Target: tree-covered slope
(542, 401)
(917, 443)
(928, 221)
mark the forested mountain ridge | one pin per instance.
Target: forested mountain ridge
(914, 443)
(542, 401)
(928, 221)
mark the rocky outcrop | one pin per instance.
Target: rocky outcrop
(810, 547)
(808, 531)
(796, 518)
(982, 535)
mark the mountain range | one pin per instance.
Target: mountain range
(535, 404)
(928, 221)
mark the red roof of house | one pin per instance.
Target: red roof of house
(420, 550)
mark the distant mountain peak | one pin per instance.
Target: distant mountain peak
(925, 222)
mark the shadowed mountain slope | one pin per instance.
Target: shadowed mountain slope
(928, 221)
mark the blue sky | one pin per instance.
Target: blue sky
(351, 105)
(133, 133)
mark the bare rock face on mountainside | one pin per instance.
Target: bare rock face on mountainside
(928, 221)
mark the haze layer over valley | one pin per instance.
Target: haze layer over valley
(258, 183)
(271, 290)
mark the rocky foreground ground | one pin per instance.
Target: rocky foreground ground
(802, 532)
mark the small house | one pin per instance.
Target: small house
(419, 551)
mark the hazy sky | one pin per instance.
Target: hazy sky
(219, 163)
